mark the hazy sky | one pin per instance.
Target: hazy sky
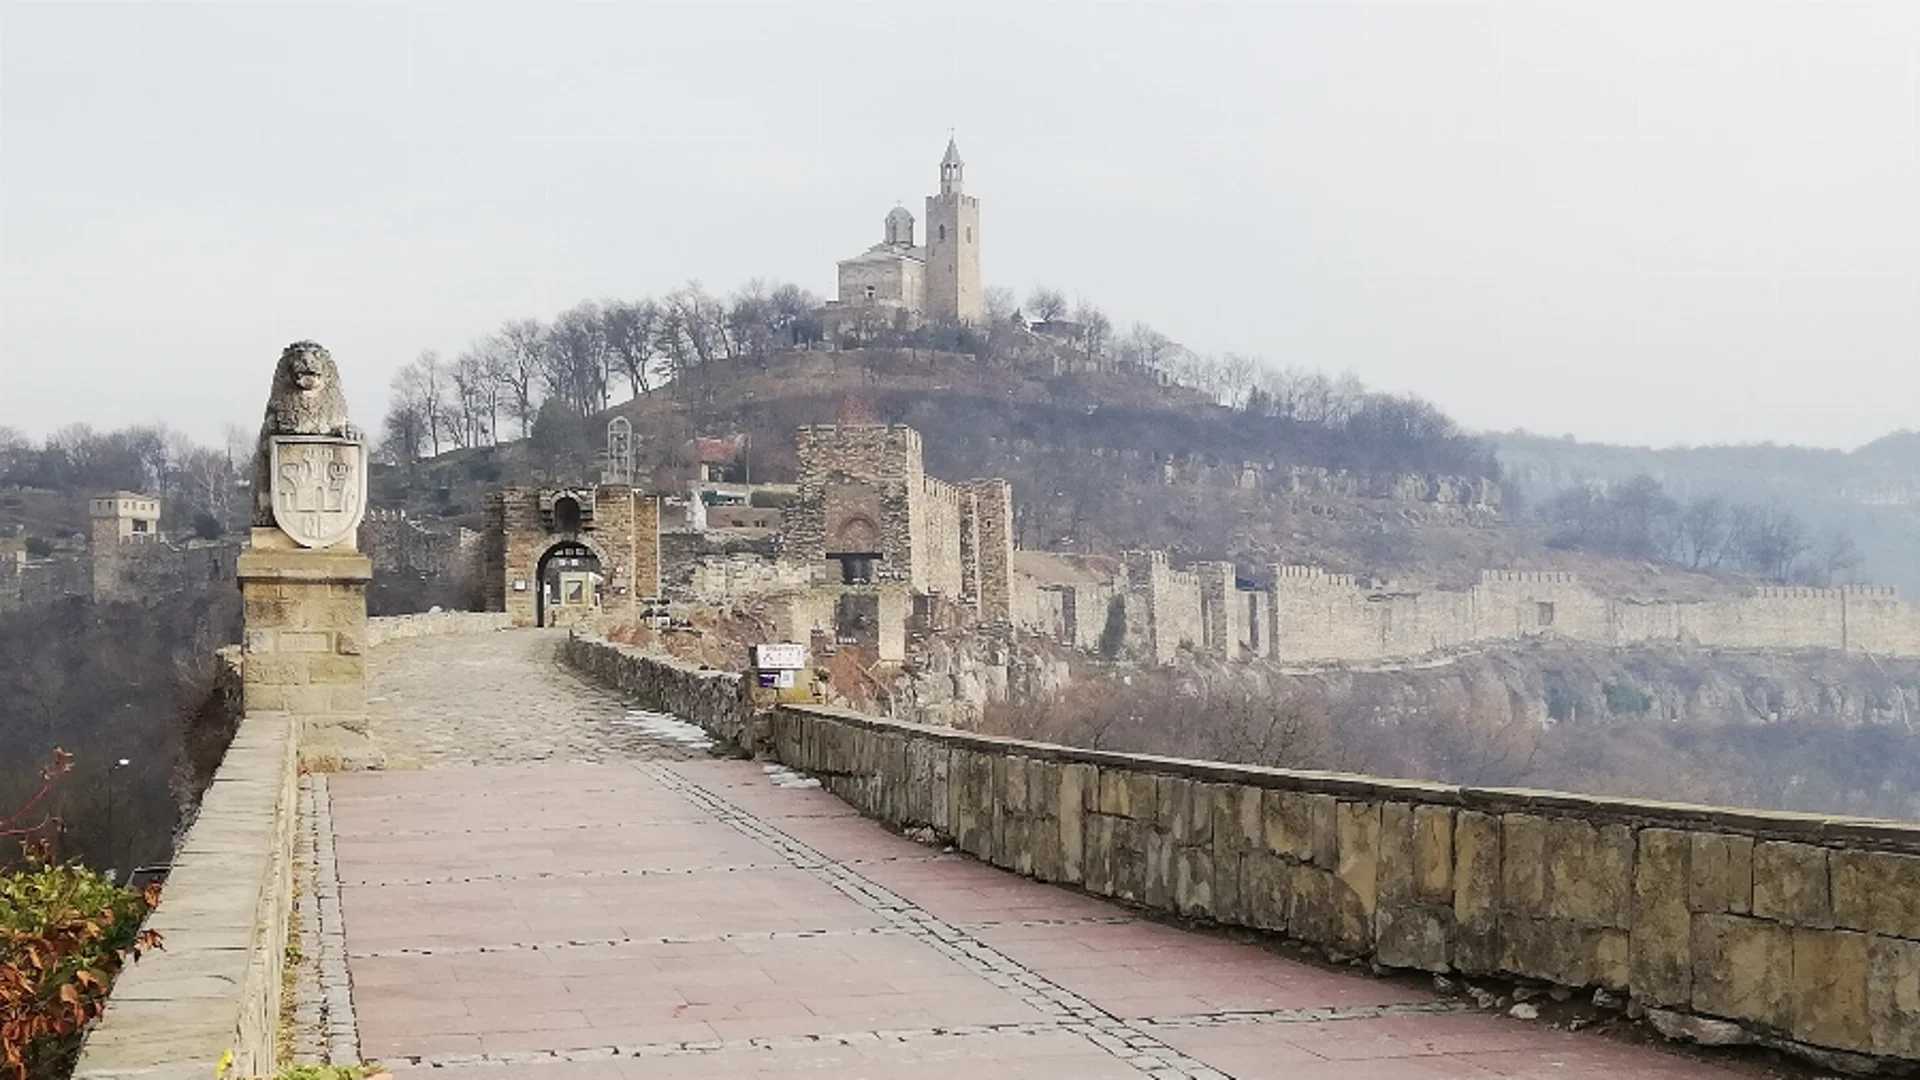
(1662, 222)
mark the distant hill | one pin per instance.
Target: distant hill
(1100, 461)
(1872, 493)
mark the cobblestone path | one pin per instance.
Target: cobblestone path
(570, 890)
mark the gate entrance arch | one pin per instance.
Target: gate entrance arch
(568, 584)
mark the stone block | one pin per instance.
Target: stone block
(1721, 871)
(1396, 874)
(1043, 779)
(1287, 823)
(1265, 890)
(1158, 849)
(1226, 883)
(1876, 891)
(1893, 996)
(1070, 805)
(1168, 792)
(1476, 891)
(1564, 951)
(1192, 811)
(1433, 853)
(1358, 828)
(1589, 872)
(1790, 884)
(1743, 969)
(336, 669)
(1660, 957)
(1193, 882)
(1236, 818)
(1116, 794)
(1313, 912)
(1099, 855)
(1128, 858)
(1013, 784)
(1523, 864)
(1015, 845)
(1830, 989)
(269, 669)
(1413, 936)
(303, 641)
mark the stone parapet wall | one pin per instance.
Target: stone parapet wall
(384, 628)
(1800, 929)
(215, 987)
(715, 700)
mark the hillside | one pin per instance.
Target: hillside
(1872, 494)
(1100, 462)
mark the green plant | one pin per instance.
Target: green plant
(64, 933)
(328, 1072)
(1622, 698)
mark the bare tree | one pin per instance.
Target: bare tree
(574, 363)
(521, 345)
(632, 329)
(999, 305)
(1046, 305)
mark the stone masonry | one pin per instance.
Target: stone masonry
(863, 490)
(620, 526)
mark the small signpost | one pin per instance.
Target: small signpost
(781, 674)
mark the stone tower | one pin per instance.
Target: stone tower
(953, 245)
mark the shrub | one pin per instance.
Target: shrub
(1622, 698)
(39, 547)
(64, 933)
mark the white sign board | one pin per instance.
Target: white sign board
(781, 656)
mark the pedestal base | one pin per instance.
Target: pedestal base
(305, 645)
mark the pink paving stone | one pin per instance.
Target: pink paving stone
(773, 952)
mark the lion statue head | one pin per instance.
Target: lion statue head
(306, 400)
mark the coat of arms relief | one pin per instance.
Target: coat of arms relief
(319, 487)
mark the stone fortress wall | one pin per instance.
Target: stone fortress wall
(1310, 615)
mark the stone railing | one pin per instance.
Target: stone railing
(385, 628)
(1789, 930)
(1802, 930)
(715, 700)
(215, 985)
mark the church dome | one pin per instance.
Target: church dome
(900, 226)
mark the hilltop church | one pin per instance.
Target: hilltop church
(900, 282)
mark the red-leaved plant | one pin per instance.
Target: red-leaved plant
(65, 931)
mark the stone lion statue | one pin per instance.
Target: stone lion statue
(305, 400)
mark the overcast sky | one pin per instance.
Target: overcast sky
(1650, 223)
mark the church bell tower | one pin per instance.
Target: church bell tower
(953, 245)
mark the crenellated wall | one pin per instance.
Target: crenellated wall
(1312, 616)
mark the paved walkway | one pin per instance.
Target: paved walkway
(566, 890)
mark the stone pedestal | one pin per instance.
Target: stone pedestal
(306, 640)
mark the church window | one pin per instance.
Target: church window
(969, 234)
(943, 232)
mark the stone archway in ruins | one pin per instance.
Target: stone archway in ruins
(568, 581)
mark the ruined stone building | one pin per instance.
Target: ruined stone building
(131, 561)
(556, 556)
(900, 282)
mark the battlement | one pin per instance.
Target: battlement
(1296, 574)
(1529, 577)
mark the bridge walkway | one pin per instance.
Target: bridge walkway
(567, 888)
